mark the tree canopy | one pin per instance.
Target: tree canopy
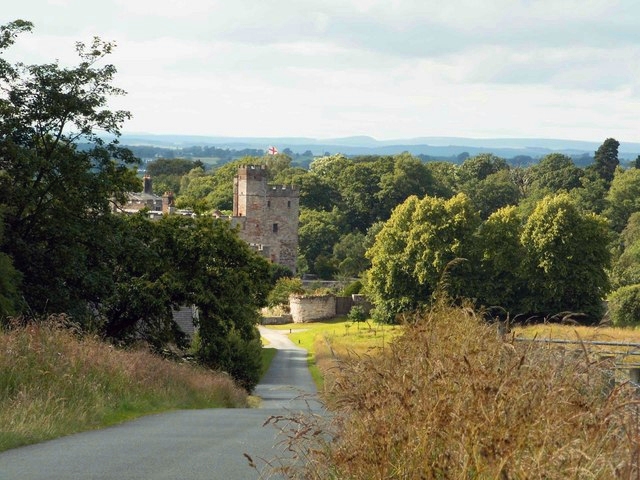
(55, 194)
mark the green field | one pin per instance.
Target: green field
(337, 338)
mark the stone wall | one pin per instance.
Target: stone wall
(281, 320)
(309, 309)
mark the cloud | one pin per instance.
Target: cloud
(391, 68)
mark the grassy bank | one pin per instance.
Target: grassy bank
(450, 399)
(54, 382)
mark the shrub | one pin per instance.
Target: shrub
(357, 314)
(624, 306)
(279, 294)
(352, 289)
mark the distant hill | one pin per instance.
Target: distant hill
(363, 145)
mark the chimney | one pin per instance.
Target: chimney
(167, 203)
(148, 184)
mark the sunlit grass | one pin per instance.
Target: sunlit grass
(337, 338)
(449, 398)
(54, 382)
(584, 335)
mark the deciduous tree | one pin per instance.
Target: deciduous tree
(566, 257)
(56, 193)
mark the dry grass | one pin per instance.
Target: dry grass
(603, 333)
(54, 382)
(451, 400)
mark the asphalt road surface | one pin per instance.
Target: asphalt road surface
(185, 444)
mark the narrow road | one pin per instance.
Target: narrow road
(185, 444)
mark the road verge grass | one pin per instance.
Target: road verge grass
(54, 382)
(449, 398)
(330, 340)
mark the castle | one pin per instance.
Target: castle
(267, 215)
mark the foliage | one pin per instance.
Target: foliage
(605, 160)
(591, 195)
(500, 282)
(228, 282)
(167, 172)
(9, 283)
(284, 288)
(316, 192)
(495, 191)
(178, 261)
(170, 166)
(565, 259)
(413, 249)
(55, 194)
(623, 197)
(349, 251)
(555, 172)
(277, 271)
(352, 289)
(480, 167)
(624, 306)
(317, 233)
(357, 314)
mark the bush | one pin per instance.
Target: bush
(236, 354)
(357, 314)
(624, 306)
(277, 271)
(352, 289)
(279, 294)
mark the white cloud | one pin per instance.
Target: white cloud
(386, 68)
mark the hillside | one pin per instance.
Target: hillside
(363, 145)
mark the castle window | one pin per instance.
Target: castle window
(275, 228)
(288, 203)
(268, 203)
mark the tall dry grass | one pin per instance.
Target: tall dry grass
(53, 382)
(451, 400)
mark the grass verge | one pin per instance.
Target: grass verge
(337, 338)
(450, 399)
(54, 382)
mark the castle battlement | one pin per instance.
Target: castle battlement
(253, 172)
(283, 191)
(267, 214)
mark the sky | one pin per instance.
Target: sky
(390, 69)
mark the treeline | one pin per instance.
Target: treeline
(536, 240)
(221, 155)
(63, 250)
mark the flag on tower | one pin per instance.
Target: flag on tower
(272, 151)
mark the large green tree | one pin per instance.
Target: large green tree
(58, 177)
(178, 261)
(623, 197)
(566, 257)
(416, 251)
(605, 160)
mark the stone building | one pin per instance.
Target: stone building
(156, 205)
(267, 215)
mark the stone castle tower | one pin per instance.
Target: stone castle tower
(267, 215)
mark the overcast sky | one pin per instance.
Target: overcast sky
(332, 68)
